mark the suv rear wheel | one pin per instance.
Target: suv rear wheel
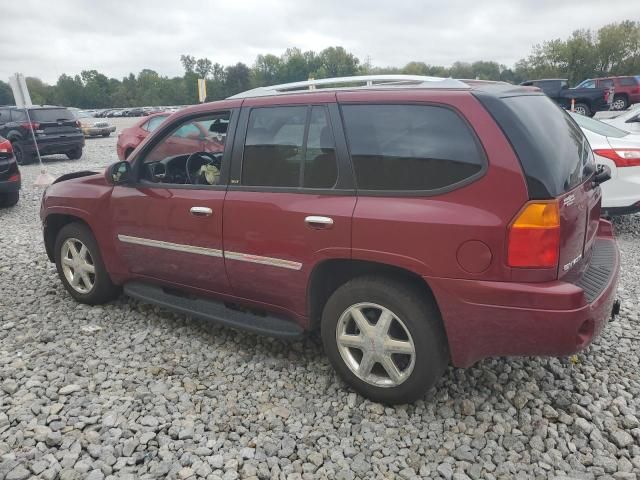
(80, 266)
(582, 109)
(620, 102)
(75, 154)
(22, 158)
(385, 338)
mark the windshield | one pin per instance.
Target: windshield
(598, 127)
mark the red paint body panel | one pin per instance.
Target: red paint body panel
(164, 214)
(485, 319)
(273, 225)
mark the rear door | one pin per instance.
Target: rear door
(290, 201)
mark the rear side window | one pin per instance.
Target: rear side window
(289, 147)
(410, 147)
(554, 153)
(51, 115)
(628, 82)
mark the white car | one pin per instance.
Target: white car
(629, 120)
(620, 151)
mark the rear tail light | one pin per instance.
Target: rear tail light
(606, 96)
(622, 157)
(6, 147)
(14, 178)
(534, 236)
(30, 126)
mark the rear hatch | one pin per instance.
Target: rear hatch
(54, 121)
(558, 165)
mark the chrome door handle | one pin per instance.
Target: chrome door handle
(201, 211)
(319, 222)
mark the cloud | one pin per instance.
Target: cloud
(116, 37)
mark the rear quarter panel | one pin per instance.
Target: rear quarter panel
(424, 234)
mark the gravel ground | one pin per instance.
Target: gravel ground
(131, 391)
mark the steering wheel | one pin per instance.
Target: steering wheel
(206, 155)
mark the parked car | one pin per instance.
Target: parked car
(91, 128)
(55, 128)
(135, 112)
(587, 101)
(130, 138)
(9, 175)
(627, 89)
(628, 121)
(414, 221)
(619, 150)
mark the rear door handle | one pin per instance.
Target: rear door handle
(318, 222)
(201, 211)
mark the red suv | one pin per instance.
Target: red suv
(414, 221)
(627, 89)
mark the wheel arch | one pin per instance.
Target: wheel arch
(328, 275)
(54, 222)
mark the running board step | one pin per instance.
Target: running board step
(214, 311)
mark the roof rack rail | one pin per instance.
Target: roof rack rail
(360, 81)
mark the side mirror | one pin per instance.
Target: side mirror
(603, 173)
(118, 173)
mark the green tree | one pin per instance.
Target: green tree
(188, 63)
(203, 67)
(6, 95)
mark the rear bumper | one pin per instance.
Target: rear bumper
(8, 187)
(52, 146)
(486, 319)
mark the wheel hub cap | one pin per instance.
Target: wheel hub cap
(375, 344)
(77, 265)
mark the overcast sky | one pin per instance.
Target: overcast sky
(47, 38)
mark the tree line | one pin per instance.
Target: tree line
(611, 50)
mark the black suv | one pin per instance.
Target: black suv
(55, 128)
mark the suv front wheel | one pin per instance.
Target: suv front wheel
(385, 338)
(80, 266)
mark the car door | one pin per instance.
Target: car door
(168, 224)
(290, 200)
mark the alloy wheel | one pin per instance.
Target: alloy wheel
(77, 265)
(618, 104)
(580, 110)
(375, 344)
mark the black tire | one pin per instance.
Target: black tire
(420, 315)
(620, 102)
(75, 154)
(106, 134)
(22, 158)
(9, 199)
(103, 288)
(583, 109)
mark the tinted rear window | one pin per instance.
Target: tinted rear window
(410, 147)
(628, 81)
(51, 114)
(554, 154)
